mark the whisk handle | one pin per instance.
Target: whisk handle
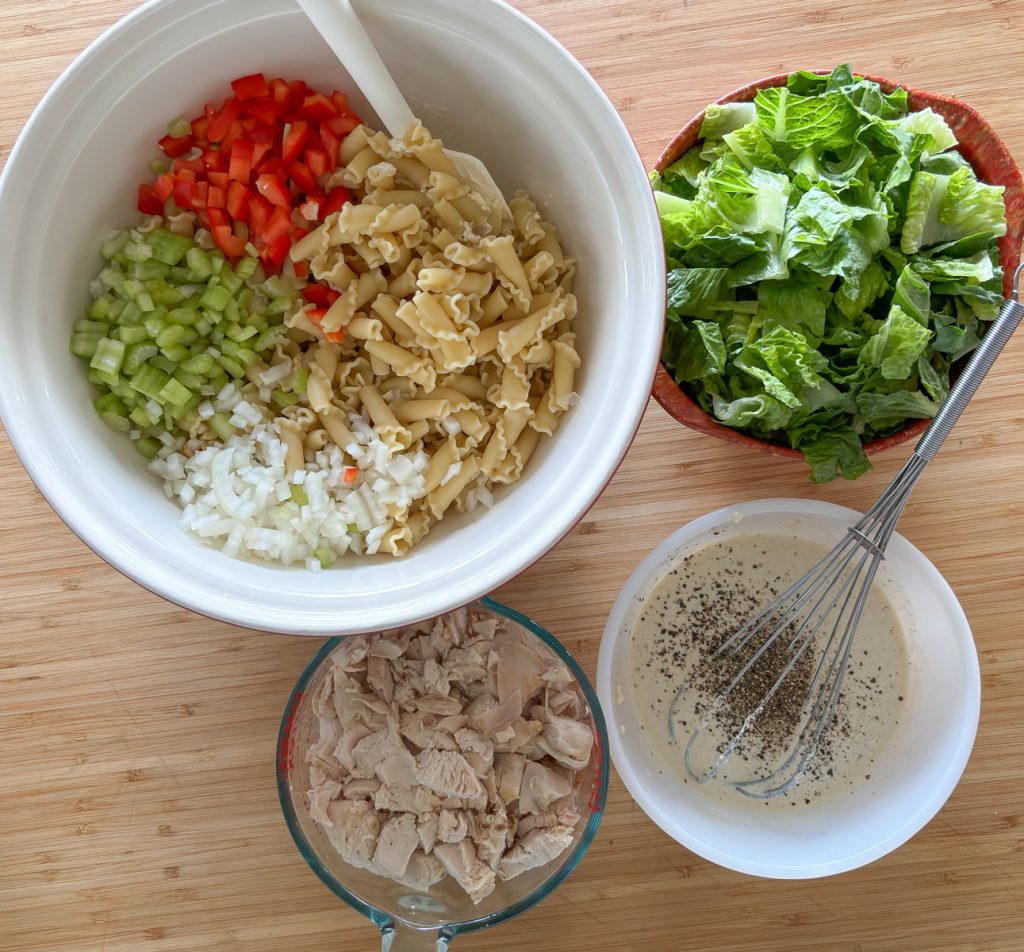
(995, 339)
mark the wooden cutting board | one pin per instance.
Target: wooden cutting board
(137, 801)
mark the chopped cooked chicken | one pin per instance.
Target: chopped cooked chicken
(353, 830)
(395, 844)
(463, 865)
(449, 747)
(508, 769)
(535, 849)
(447, 773)
(541, 787)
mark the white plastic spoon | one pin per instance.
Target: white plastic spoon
(337, 22)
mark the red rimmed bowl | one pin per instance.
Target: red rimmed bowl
(978, 143)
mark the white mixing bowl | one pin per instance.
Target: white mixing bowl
(916, 769)
(485, 79)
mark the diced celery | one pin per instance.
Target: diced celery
(137, 251)
(108, 357)
(137, 355)
(149, 270)
(166, 296)
(145, 302)
(131, 314)
(269, 339)
(188, 380)
(110, 401)
(116, 421)
(90, 327)
(232, 312)
(132, 288)
(175, 353)
(217, 261)
(200, 264)
(203, 327)
(231, 366)
(132, 334)
(99, 310)
(220, 425)
(154, 324)
(216, 296)
(168, 366)
(167, 246)
(179, 128)
(149, 380)
(238, 333)
(174, 395)
(281, 305)
(114, 244)
(84, 345)
(325, 557)
(183, 315)
(246, 268)
(157, 167)
(299, 495)
(114, 278)
(200, 364)
(299, 380)
(170, 334)
(281, 399)
(230, 281)
(180, 274)
(246, 357)
(148, 446)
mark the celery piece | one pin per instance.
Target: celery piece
(215, 297)
(84, 326)
(217, 261)
(246, 268)
(157, 167)
(145, 303)
(281, 399)
(113, 277)
(183, 315)
(166, 295)
(170, 334)
(116, 421)
(148, 446)
(136, 251)
(246, 357)
(179, 128)
(230, 281)
(109, 356)
(180, 274)
(167, 366)
(220, 425)
(167, 246)
(233, 368)
(201, 364)
(175, 353)
(99, 310)
(186, 379)
(132, 288)
(132, 334)
(299, 495)
(173, 394)
(281, 305)
(131, 314)
(114, 244)
(203, 327)
(299, 380)
(325, 557)
(238, 333)
(149, 270)
(269, 339)
(140, 417)
(84, 345)
(232, 311)
(199, 262)
(149, 380)
(154, 325)
(110, 402)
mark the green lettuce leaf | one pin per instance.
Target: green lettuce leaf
(895, 348)
(692, 291)
(722, 119)
(828, 121)
(886, 411)
(929, 123)
(836, 453)
(695, 350)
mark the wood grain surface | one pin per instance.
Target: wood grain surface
(137, 801)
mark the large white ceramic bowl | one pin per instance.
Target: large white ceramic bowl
(482, 76)
(912, 776)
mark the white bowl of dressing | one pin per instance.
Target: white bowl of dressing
(903, 779)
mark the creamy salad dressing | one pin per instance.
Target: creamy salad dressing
(704, 597)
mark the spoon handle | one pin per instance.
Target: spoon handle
(338, 24)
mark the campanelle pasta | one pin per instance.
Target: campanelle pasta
(455, 324)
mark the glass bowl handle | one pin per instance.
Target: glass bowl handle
(399, 936)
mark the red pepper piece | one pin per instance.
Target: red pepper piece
(277, 227)
(264, 110)
(220, 179)
(183, 188)
(164, 187)
(149, 202)
(217, 197)
(331, 143)
(200, 126)
(242, 155)
(194, 166)
(274, 189)
(219, 218)
(277, 250)
(310, 208)
(260, 151)
(173, 147)
(237, 203)
(316, 315)
(335, 201)
(250, 87)
(200, 195)
(294, 142)
(318, 161)
(301, 269)
(340, 100)
(297, 93)
(232, 246)
(260, 211)
(279, 91)
(320, 294)
(343, 124)
(220, 126)
(303, 178)
(317, 107)
(215, 160)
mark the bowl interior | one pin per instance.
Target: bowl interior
(980, 145)
(444, 905)
(476, 74)
(917, 766)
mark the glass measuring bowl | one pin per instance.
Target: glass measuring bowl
(409, 919)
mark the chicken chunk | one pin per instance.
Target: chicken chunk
(397, 841)
(463, 865)
(422, 872)
(567, 741)
(508, 770)
(452, 826)
(353, 831)
(447, 773)
(541, 787)
(536, 848)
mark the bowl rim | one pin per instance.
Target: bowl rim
(209, 600)
(684, 409)
(382, 919)
(923, 812)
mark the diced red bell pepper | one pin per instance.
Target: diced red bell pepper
(274, 189)
(194, 166)
(316, 316)
(321, 295)
(294, 142)
(217, 197)
(250, 87)
(340, 100)
(183, 189)
(164, 187)
(200, 195)
(225, 119)
(318, 161)
(219, 218)
(261, 132)
(279, 91)
(317, 107)
(303, 178)
(310, 208)
(210, 111)
(351, 473)
(273, 166)
(331, 143)
(149, 202)
(260, 211)
(240, 167)
(301, 269)
(220, 179)
(260, 151)
(237, 203)
(215, 160)
(278, 226)
(264, 110)
(200, 126)
(175, 146)
(297, 93)
(228, 242)
(335, 201)
(277, 250)
(343, 124)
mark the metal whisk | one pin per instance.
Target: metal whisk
(835, 590)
